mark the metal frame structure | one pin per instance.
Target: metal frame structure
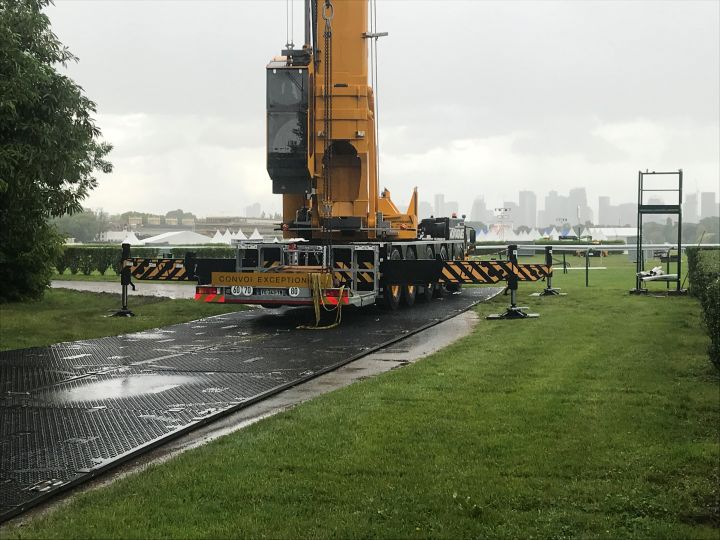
(655, 209)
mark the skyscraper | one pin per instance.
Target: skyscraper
(690, 208)
(558, 209)
(439, 204)
(581, 212)
(607, 213)
(527, 213)
(479, 211)
(425, 209)
(708, 206)
(627, 214)
(604, 210)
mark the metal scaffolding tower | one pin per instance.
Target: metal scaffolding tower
(673, 209)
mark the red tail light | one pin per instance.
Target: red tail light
(335, 293)
(207, 290)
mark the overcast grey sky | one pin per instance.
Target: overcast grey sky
(477, 98)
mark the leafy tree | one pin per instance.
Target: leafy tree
(50, 147)
(84, 226)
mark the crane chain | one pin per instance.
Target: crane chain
(327, 14)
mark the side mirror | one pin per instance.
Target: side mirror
(471, 235)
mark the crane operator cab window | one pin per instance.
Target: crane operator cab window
(287, 137)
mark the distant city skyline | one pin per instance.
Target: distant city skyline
(557, 210)
(574, 208)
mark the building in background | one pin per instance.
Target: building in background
(425, 210)
(512, 210)
(708, 205)
(627, 215)
(253, 210)
(608, 214)
(444, 208)
(479, 212)
(577, 199)
(439, 204)
(690, 208)
(558, 209)
(527, 209)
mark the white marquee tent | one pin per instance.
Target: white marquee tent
(132, 240)
(178, 238)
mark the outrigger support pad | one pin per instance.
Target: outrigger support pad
(549, 290)
(124, 311)
(513, 311)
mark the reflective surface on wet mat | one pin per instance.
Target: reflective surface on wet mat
(71, 410)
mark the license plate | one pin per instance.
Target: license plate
(271, 292)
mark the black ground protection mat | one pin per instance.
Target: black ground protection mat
(72, 410)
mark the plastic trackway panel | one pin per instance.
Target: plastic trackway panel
(71, 410)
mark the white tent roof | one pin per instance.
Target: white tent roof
(534, 235)
(255, 235)
(618, 233)
(132, 240)
(239, 235)
(597, 233)
(217, 238)
(180, 238)
(227, 236)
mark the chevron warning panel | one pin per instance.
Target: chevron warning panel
(491, 271)
(157, 269)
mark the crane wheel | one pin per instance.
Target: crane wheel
(409, 292)
(439, 289)
(425, 293)
(393, 293)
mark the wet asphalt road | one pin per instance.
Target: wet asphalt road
(167, 290)
(72, 410)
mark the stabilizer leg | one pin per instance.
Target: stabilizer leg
(513, 311)
(124, 311)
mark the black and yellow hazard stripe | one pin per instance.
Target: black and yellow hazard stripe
(270, 264)
(366, 277)
(342, 274)
(491, 271)
(157, 269)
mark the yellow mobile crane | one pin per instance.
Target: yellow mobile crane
(344, 241)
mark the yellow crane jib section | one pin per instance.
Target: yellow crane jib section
(157, 269)
(491, 271)
(322, 133)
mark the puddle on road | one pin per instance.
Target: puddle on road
(122, 387)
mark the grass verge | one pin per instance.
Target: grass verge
(599, 419)
(93, 276)
(64, 315)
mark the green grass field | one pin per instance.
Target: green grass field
(64, 315)
(109, 275)
(597, 420)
